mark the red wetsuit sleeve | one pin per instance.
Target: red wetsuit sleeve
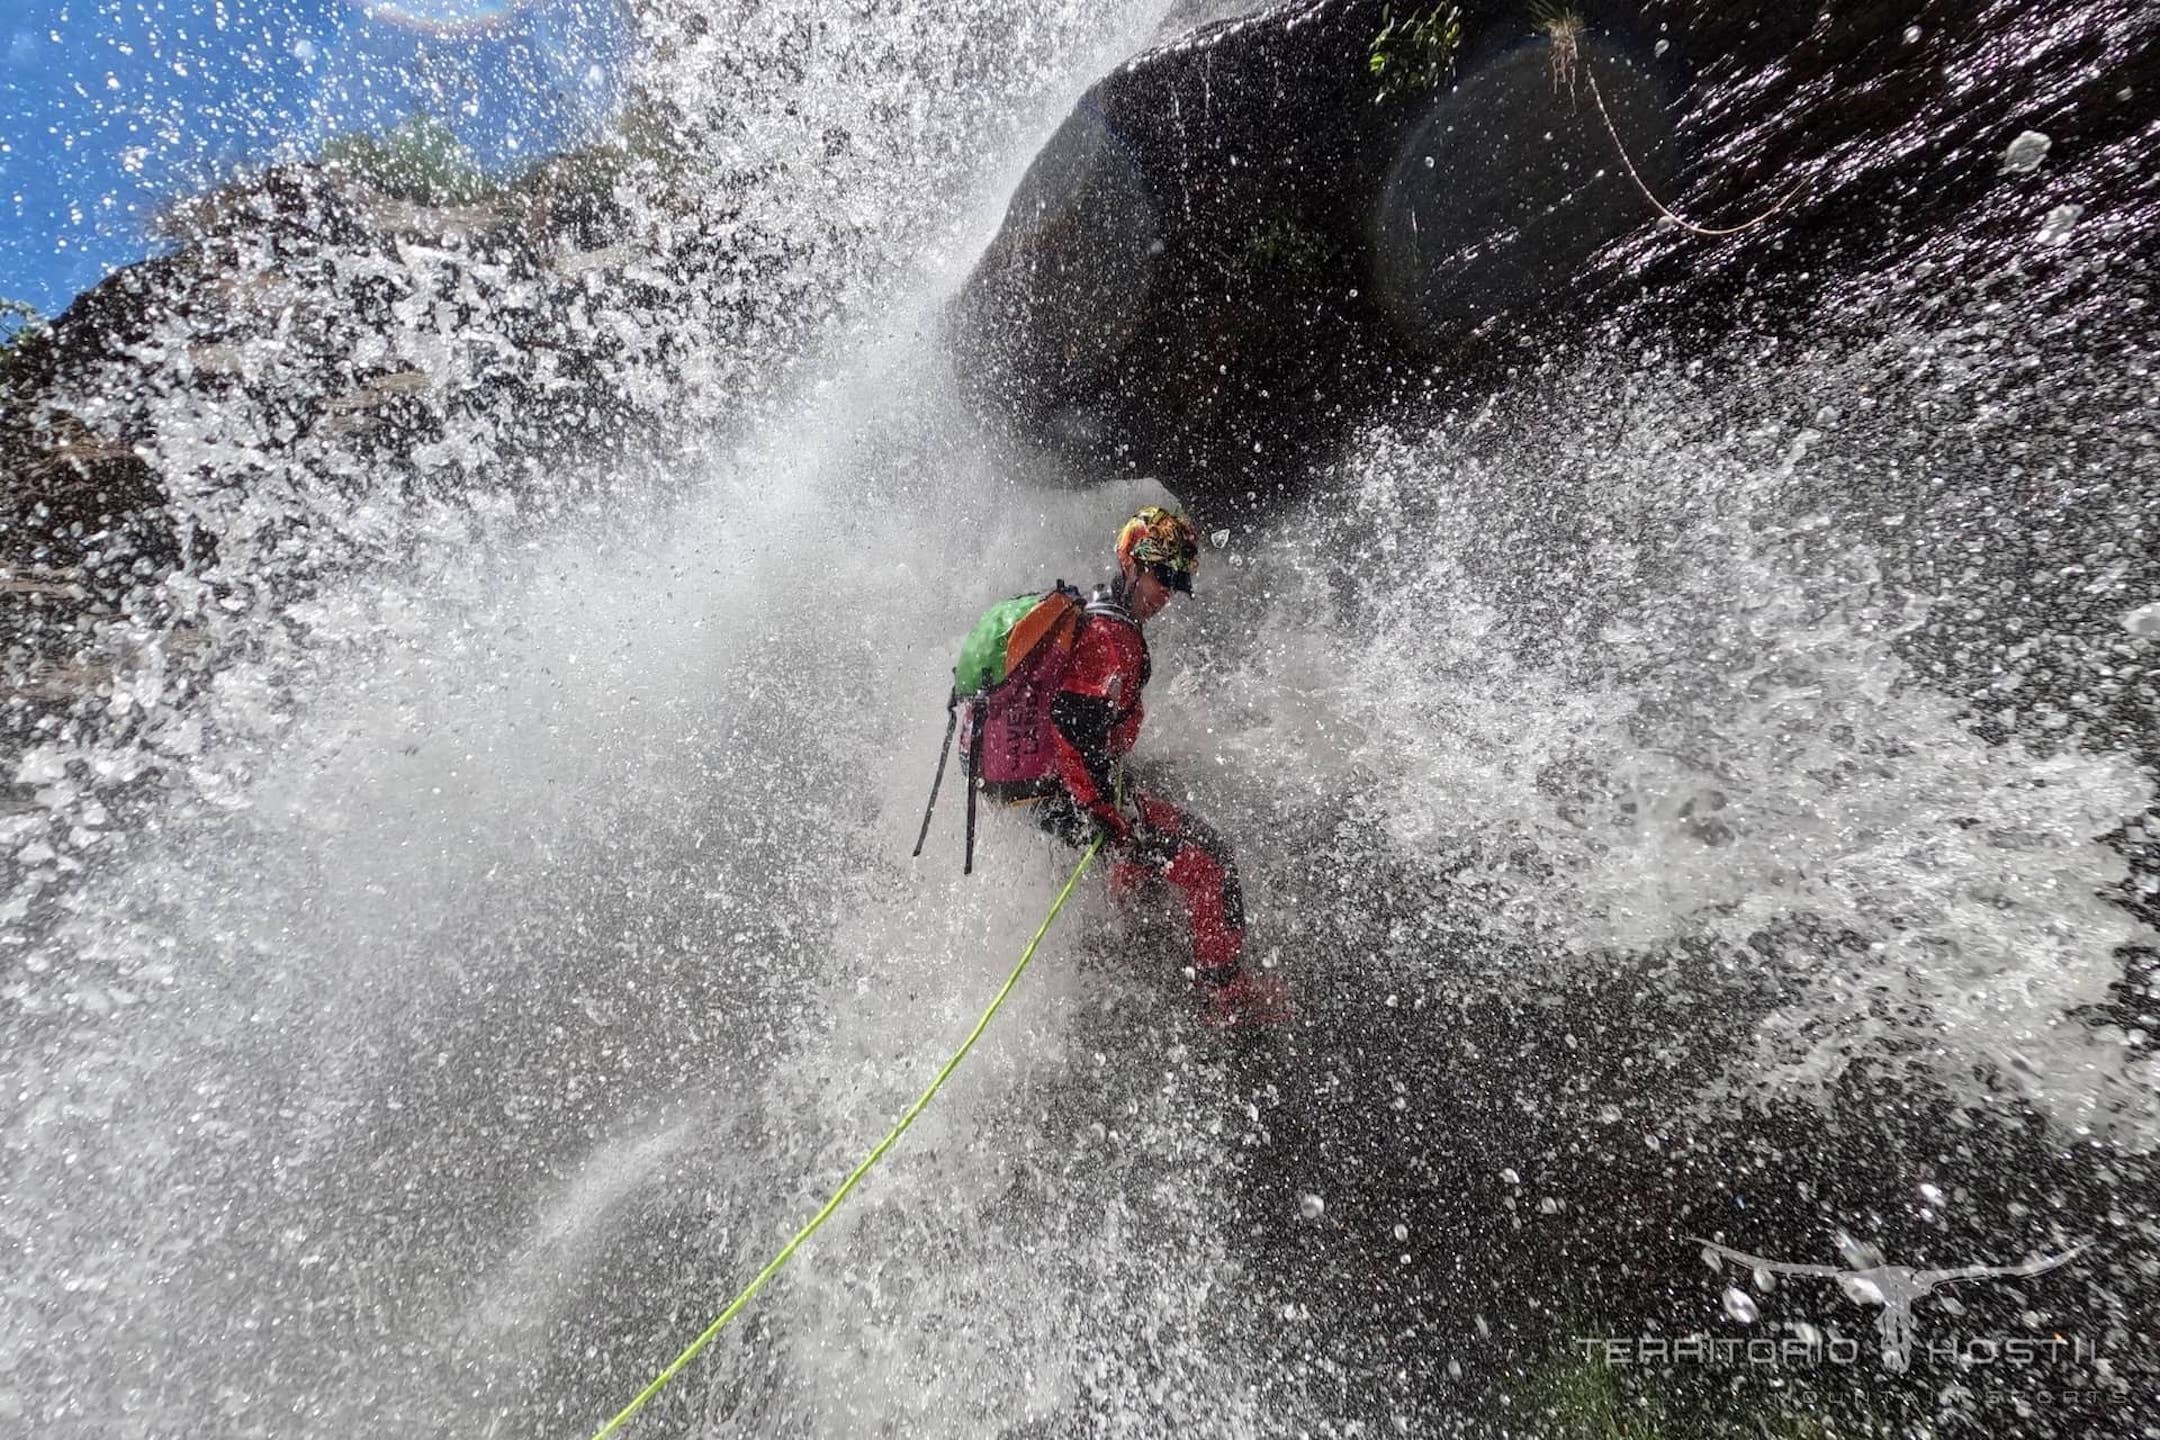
(1095, 717)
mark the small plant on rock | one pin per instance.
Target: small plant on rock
(1415, 53)
(421, 161)
(1565, 29)
(17, 319)
(22, 329)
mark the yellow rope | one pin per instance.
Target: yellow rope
(1566, 33)
(1708, 231)
(772, 1266)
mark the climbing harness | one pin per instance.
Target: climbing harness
(937, 1082)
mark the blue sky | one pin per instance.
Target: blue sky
(113, 107)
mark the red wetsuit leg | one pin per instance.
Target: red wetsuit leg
(1205, 876)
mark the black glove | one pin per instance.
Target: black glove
(1145, 845)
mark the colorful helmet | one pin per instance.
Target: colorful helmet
(1155, 539)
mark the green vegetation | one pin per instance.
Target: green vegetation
(571, 194)
(1284, 245)
(574, 196)
(1414, 54)
(18, 318)
(1575, 1396)
(421, 161)
(24, 334)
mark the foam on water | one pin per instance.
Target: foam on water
(1646, 690)
(490, 960)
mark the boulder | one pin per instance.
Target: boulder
(1237, 237)
(1243, 242)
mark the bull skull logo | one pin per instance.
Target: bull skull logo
(1867, 1280)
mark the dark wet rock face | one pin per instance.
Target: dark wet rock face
(1238, 238)
(317, 367)
(65, 480)
(1241, 244)
(1178, 261)
(1500, 192)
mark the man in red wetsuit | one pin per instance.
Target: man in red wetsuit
(1095, 718)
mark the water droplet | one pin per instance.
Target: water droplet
(1661, 47)
(1912, 34)
(1510, 1176)
(1454, 1369)
(1312, 1207)
(2025, 153)
(2056, 228)
(1860, 1291)
(1402, 1232)
(1739, 1306)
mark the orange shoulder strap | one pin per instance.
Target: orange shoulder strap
(1056, 618)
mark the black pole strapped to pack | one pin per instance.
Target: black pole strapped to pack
(952, 720)
(976, 716)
